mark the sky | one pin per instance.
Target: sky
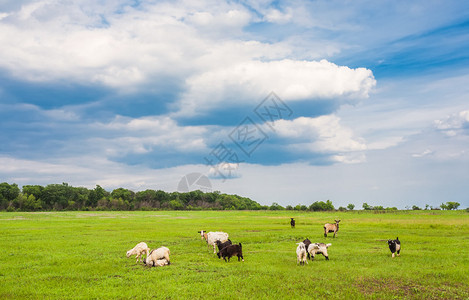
(280, 101)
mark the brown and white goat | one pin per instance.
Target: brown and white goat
(331, 228)
(318, 248)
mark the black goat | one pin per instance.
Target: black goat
(230, 251)
(292, 222)
(221, 245)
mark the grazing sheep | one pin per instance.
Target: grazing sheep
(292, 223)
(139, 250)
(157, 254)
(301, 254)
(230, 251)
(395, 246)
(213, 237)
(221, 245)
(331, 228)
(318, 248)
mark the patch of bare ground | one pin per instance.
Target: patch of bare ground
(372, 288)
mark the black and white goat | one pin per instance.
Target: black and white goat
(395, 246)
(331, 228)
(292, 223)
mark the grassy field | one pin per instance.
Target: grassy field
(82, 255)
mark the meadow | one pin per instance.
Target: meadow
(73, 255)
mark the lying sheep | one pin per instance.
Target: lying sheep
(139, 250)
(318, 248)
(331, 228)
(155, 255)
(395, 246)
(231, 251)
(159, 263)
(301, 254)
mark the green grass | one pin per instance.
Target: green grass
(63, 255)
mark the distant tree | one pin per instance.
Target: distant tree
(450, 205)
(427, 206)
(415, 207)
(350, 206)
(322, 206)
(378, 207)
(341, 208)
(276, 206)
(288, 207)
(8, 193)
(366, 206)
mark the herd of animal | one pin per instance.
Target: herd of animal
(226, 249)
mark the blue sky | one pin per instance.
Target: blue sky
(289, 102)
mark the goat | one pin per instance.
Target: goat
(203, 234)
(292, 223)
(139, 250)
(318, 248)
(231, 251)
(221, 245)
(301, 254)
(213, 237)
(155, 255)
(307, 242)
(331, 228)
(395, 246)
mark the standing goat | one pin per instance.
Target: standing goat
(331, 228)
(292, 223)
(301, 254)
(395, 246)
(318, 248)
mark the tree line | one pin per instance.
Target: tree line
(65, 197)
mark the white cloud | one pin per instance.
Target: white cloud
(291, 80)
(322, 134)
(146, 134)
(454, 123)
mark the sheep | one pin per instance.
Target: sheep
(292, 223)
(318, 248)
(213, 237)
(230, 251)
(221, 245)
(139, 250)
(395, 246)
(159, 263)
(301, 254)
(331, 228)
(157, 254)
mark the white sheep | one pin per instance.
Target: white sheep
(155, 255)
(301, 254)
(213, 237)
(139, 250)
(318, 248)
